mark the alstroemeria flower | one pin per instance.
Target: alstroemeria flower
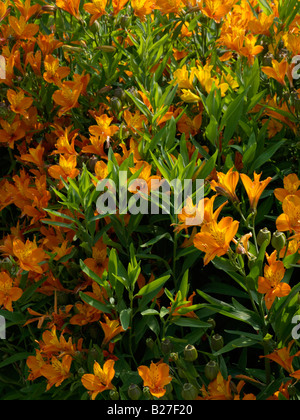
(271, 284)
(156, 378)
(101, 379)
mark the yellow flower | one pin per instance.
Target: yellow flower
(189, 97)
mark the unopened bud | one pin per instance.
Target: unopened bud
(189, 392)
(217, 342)
(106, 48)
(116, 104)
(278, 240)
(190, 353)
(166, 346)
(150, 343)
(81, 372)
(291, 390)
(211, 370)
(263, 235)
(49, 8)
(114, 395)
(134, 392)
(147, 393)
(212, 322)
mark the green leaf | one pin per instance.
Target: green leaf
(155, 285)
(125, 317)
(94, 303)
(190, 322)
(237, 343)
(15, 358)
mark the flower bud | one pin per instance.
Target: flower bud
(174, 357)
(147, 393)
(95, 27)
(125, 21)
(278, 240)
(166, 346)
(115, 104)
(212, 322)
(189, 392)
(120, 93)
(134, 392)
(150, 343)
(49, 8)
(106, 48)
(190, 353)
(217, 342)
(292, 391)
(81, 372)
(263, 235)
(211, 370)
(114, 395)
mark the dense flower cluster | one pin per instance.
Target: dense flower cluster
(105, 304)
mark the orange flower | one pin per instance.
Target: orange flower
(57, 371)
(66, 142)
(217, 9)
(134, 121)
(66, 168)
(99, 261)
(289, 220)
(51, 345)
(22, 29)
(271, 284)
(101, 379)
(4, 11)
(29, 255)
(103, 129)
(11, 132)
(142, 7)
(250, 50)
(254, 188)
(111, 328)
(291, 184)
(67, 96)
(8, 293)
(283, 357)
(54, 73)
(86, 314)
(35, 364)
(226, 184)
(156, 378)
(26, 10)
(96, 9)
(214, 238)
(35, 156)
(220, 389)
(118, 5)
(169, 6)
(278, 71)
(70, 6)
(18, 102)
